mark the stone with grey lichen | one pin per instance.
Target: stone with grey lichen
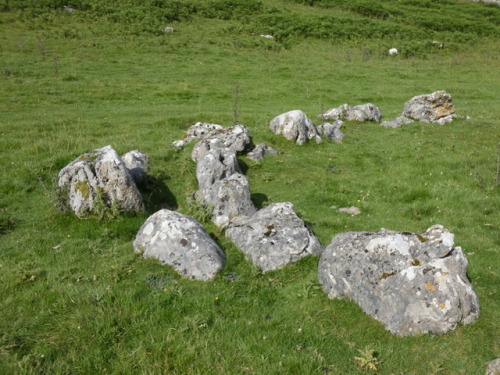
(259, 151)
(99, 178)
(216, 165)
(137, 164)
(430, 107)
(412, 283)
(332, 131)
(493, 367)
(180, 241)
(227, 199)
(362, 112)
(234, 138)
(273, 237)
(295, 126)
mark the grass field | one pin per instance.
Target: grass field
(74, 297)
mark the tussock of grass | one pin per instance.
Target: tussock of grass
(75, 298)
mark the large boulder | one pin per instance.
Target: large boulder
(430, 107)
(273, 237)
(411, 283)
(363, 112)
(227, 199)
(137, 164)
(295, 126)
(99, 178)
(234, 138)
(216, 165)
(180, 241)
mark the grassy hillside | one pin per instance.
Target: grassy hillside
(74, 297)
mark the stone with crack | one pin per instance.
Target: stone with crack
(273, 237)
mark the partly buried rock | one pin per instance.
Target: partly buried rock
(216, 165)
(429, 108)
(197, 131)
(332, 131)
(295, 126)
(227, 199)
(181, 242)
(493, 367)
(411, 283)
(137, 164)
(363, 112)
(397, 122)
(274, 237)
(234, 138)
(258, 152)
(96, 178)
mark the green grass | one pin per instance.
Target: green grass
(76, 300)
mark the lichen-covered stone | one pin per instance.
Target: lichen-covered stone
(216, 165)
(258, 152)
(411, 283)
(137, 164)
(227, 199)
(429, 107)
(99, 178)
(180, 241)
(234, 138)
(363, 112)
(332, 131)
(295, 126)
(273, 237)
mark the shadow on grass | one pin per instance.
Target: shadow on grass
(156, 194)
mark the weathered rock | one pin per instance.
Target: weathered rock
(137, 164)
(397, 122)
(267, 37)
(273, 237)
(96, 178)
(168, 29)
(363, 112)
(227, 199)
(258, 152)
(295, 126)
(234, 138)
(216, 165)
(197, 131)
(350, 210)
(429, 108)
(493, 367)
(181, 242)
(332, 131)
(411, 283)
(393, 52)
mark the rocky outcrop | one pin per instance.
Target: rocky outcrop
(411, 283)
(363, 112)
(430, 107)
(137, 164)
(214, 166)
(332, 131)
(273, 237)
(295, 126)
(180, 241)
(99, 178)
(234, 138)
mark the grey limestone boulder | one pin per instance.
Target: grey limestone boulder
(227, 198)
(411, 283)
(137, 164)
(273, 237)
(429, 107)
(216, 165)
(295, 126)
(180, 241)
(96, 178)
(259, 151)
(332, 131)
(234, 138)
(363, 112)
